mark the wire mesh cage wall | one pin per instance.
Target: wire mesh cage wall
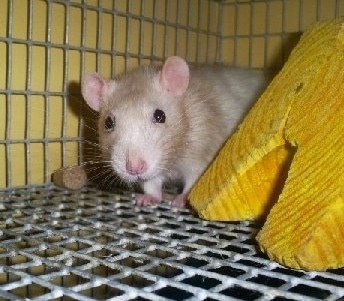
(90, 244)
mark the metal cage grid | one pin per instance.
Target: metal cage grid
(92, 245)
(57, 244)
(49, 44)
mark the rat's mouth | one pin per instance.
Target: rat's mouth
(138, 178)
(132, 179)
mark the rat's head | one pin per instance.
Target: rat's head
(142, 118)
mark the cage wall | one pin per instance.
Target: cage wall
(47, 45)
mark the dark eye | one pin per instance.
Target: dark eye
(109, 124)
(159, 116)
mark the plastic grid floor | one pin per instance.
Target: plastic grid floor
(57, 244)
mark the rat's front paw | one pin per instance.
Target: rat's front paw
(146, 200)
(180, 201)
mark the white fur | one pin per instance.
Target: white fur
(198, 119)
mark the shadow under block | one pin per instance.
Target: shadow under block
(285, 163)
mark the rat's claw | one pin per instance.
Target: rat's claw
(180, 201)
(146, 200)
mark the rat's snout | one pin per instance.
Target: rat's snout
(136, 167)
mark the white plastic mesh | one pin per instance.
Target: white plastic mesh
(93, 245)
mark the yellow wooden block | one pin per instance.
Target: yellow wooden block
(288, 155)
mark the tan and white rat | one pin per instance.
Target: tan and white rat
(167, 123)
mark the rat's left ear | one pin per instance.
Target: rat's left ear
(94, 89)
(174, 76)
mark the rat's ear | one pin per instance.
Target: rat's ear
(94, 88)
(174, 77)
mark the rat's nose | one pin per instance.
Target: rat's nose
(136, 166)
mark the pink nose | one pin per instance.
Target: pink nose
(136, 167)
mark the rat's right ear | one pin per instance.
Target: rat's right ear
(174, 77)
(94, 88)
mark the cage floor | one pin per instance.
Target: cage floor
(92, 245)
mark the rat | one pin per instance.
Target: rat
(164, 123)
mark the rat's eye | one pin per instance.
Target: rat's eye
(109, 124)
(159, 116)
